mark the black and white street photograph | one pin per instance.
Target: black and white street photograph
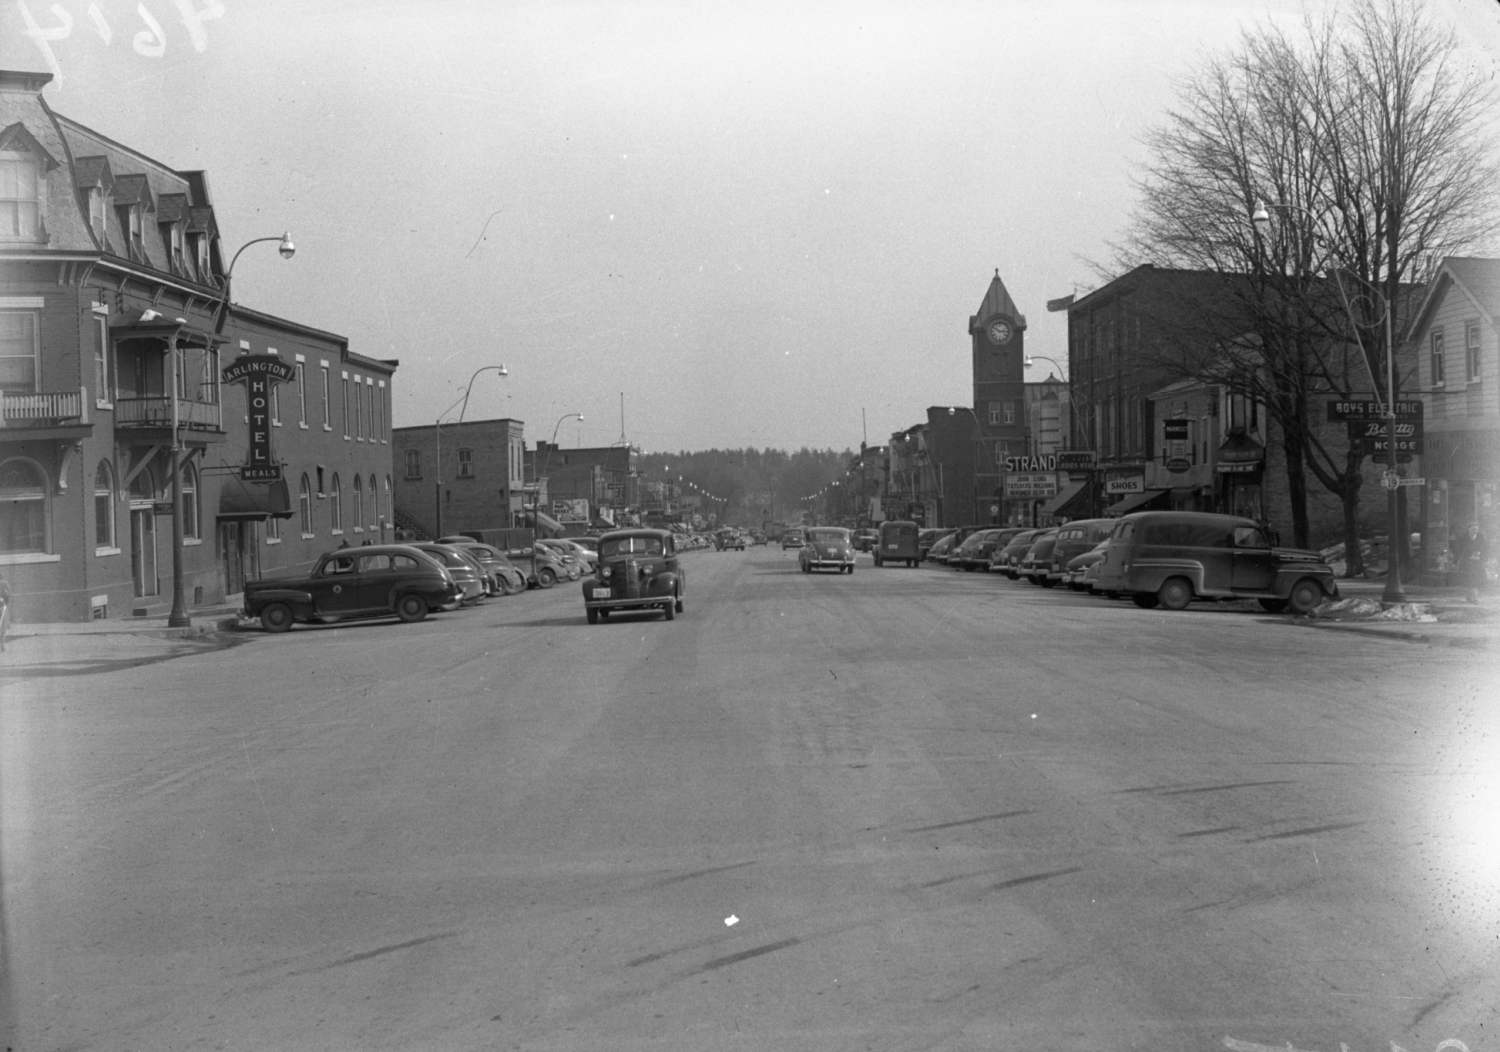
(554, 525)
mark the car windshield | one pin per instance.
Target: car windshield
(631, 546)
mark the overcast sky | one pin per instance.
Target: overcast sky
(750, 224)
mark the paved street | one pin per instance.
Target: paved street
(907, 808)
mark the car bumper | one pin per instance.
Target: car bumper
(828, 564)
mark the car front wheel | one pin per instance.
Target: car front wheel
(669, 610)
(546, 577)
(593, 615)
(411, 608)
(276, 617)
(1306, 595)
(1175, 593)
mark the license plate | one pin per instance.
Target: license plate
(600, 593)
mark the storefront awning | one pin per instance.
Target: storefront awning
(1150, 498)
(1071, 501)
(240, 500)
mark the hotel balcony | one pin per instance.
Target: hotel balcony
(156, 412)
(43, 409)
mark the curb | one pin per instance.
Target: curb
(1404, 635)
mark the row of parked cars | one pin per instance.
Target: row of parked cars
(413, 579)
(1166, 558)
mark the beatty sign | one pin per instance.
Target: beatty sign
(258, 372)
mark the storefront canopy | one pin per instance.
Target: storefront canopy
(1151, 498)
(240, 501)
(1071, 502)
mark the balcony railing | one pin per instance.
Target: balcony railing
(157, 412)
(43, 407)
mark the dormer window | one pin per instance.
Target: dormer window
(174, 239)
(20, 197)
(130, 218)
(98, 214)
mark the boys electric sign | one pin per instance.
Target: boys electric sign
(258, 372)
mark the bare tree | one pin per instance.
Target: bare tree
(1368, 145)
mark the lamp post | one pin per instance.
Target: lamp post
(536, 496)
(285, 247)
(437, 428)
(1026, 363)
(1260, 218)
(977, 474)
(178, 617)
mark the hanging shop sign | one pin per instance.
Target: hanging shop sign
(258, 372)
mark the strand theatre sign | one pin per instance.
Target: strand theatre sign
(258, 372)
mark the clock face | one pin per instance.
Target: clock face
(999, 332)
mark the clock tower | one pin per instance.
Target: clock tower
(998, 335)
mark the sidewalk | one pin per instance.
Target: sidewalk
(1434, 615)
(60, 648)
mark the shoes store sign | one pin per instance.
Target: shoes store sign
(258, 372)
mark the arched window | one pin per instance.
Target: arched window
(143, 487)
(191, 510)
(104, 506)
(374, 504)
(359, 501)
(304, 507)
(25, 508)
(390, 514)
(336, 505)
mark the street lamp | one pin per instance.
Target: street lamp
(1031, 360)
(437, 428)
(285, 247)
(1393, 594)
(536, 496)
(979, 444)
(178, 617)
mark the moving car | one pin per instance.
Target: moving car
(827, 548)
(638, 570)
(897, 542)
(1170, 558)
(864, 540)
(374, 580)
(792, 538)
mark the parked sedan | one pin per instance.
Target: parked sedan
(1036, 564)
(1008, 559)
(977, 549)
(827, 548)
(942, 548)
(465, 569)
(1082, 570)
(571, 550)
(374, 580)
(507, 577)
(926, 538)
(544, 567)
